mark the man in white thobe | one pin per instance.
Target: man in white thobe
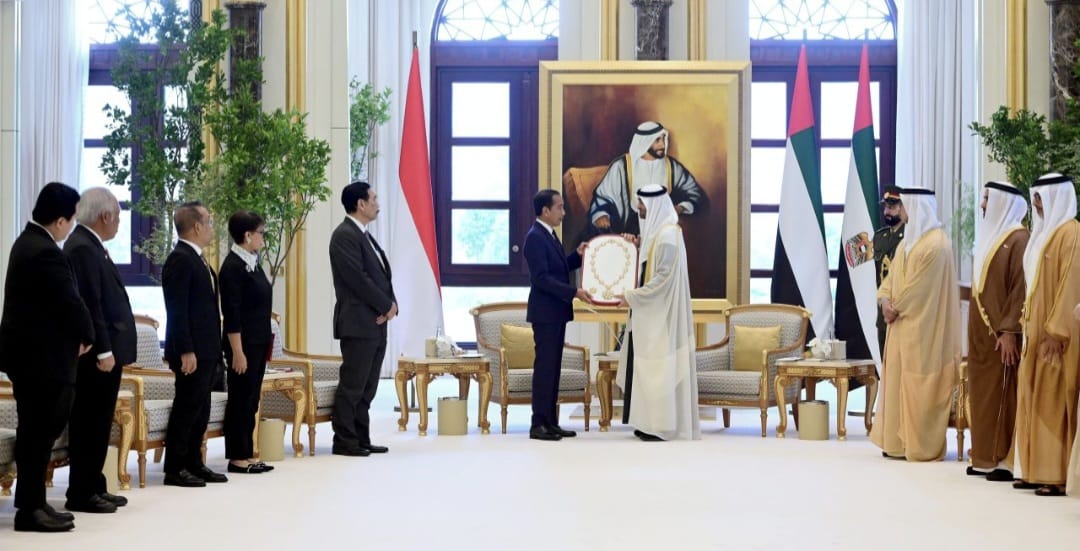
(614, 206)
(656, 368)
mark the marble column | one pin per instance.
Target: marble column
(652, 28)
(1064, 32)
(247, 16)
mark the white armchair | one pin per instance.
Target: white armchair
(720, 384)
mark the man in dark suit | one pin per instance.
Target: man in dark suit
(192, 345)
(98, 378)
(44, 329)
(550, 307)
(365, 303)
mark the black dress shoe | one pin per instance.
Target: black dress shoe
(561, 432)
(646, 437)
(58, 515)
(350, 452)
(1021, 485)
(542, 433)
(375, 449)
(184, 479)
(266, 468)
(250, 468)
(92, 504)
(972, 471)
(207, 475)
(119, 501)
(1000, 475)
(39, 520)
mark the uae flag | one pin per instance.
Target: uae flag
(856, 286)
(801, 265)
(414, 258)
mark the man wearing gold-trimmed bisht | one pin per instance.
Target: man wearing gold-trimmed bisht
(657, 368)
(994, 331)
(920, 301)
(1050, 361)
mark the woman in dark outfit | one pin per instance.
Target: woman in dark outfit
(246, 301)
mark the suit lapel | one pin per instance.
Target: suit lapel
(552, 243)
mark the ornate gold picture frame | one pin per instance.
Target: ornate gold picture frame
(589, 112)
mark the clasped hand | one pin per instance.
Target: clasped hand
(389, 315)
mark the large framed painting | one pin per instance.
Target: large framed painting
(609, 127)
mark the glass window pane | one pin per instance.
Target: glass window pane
(766, 174)
(768, 110)
(457, 301)
(148, 301)
(119, 247)
(480, 109)
(95, 99)
(480, 173)
(838, 109)
(760, 290)
(480, 236)
(174, 99)
(90, 174)
(835, 166)
(763, 227)
(834, 223)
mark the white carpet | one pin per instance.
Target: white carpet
(731, 490)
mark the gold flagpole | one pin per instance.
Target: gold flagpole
(295, 83)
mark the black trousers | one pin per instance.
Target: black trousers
(188, 418)
(244, 392)
(549, 339)
(628, 390)
(42, 407)
(358, 380)
(91, 426)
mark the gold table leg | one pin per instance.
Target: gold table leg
(603, 389)
(484, 379)
(779, 385)
(400, 378)
(463, 385)
(126, 420)
(841, 412)
(299, 400)
(871, 381)
(422, 380)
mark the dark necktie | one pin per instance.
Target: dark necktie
(378, 250)
(209, 272)
(556, 236)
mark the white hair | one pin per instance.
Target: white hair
(95, 202)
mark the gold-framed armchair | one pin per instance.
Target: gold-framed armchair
(8, 427)
(723, 384)
(321, 374)
(514, 386)
(153, 387)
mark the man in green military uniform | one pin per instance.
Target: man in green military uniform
(886, 239)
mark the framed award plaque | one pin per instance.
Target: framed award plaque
(609, 268)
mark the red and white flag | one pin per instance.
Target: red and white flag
(414, 258)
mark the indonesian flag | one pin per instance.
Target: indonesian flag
(856, 289)
(801, 264)
(414, 258)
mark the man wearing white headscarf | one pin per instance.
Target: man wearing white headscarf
(920, 301)
(1050, 361)
(657, 366)
(614, 206)
(994, 331)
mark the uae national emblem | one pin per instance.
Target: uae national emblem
(858, 249)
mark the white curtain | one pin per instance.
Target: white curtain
(55, 63)
(936, 99)
(387, 50)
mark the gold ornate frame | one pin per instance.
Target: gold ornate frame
(732, 77)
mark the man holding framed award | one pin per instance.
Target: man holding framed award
(656, 364)
(550, 307)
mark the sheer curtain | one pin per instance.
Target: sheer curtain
(936, 100)
(55, 64)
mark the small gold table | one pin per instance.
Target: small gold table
(424, 369)
(607, 366)
(836, 371)
(291, 385)
(124, 417)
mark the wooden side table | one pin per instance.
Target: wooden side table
(424, 369)
(291, 385)
(836, 371)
